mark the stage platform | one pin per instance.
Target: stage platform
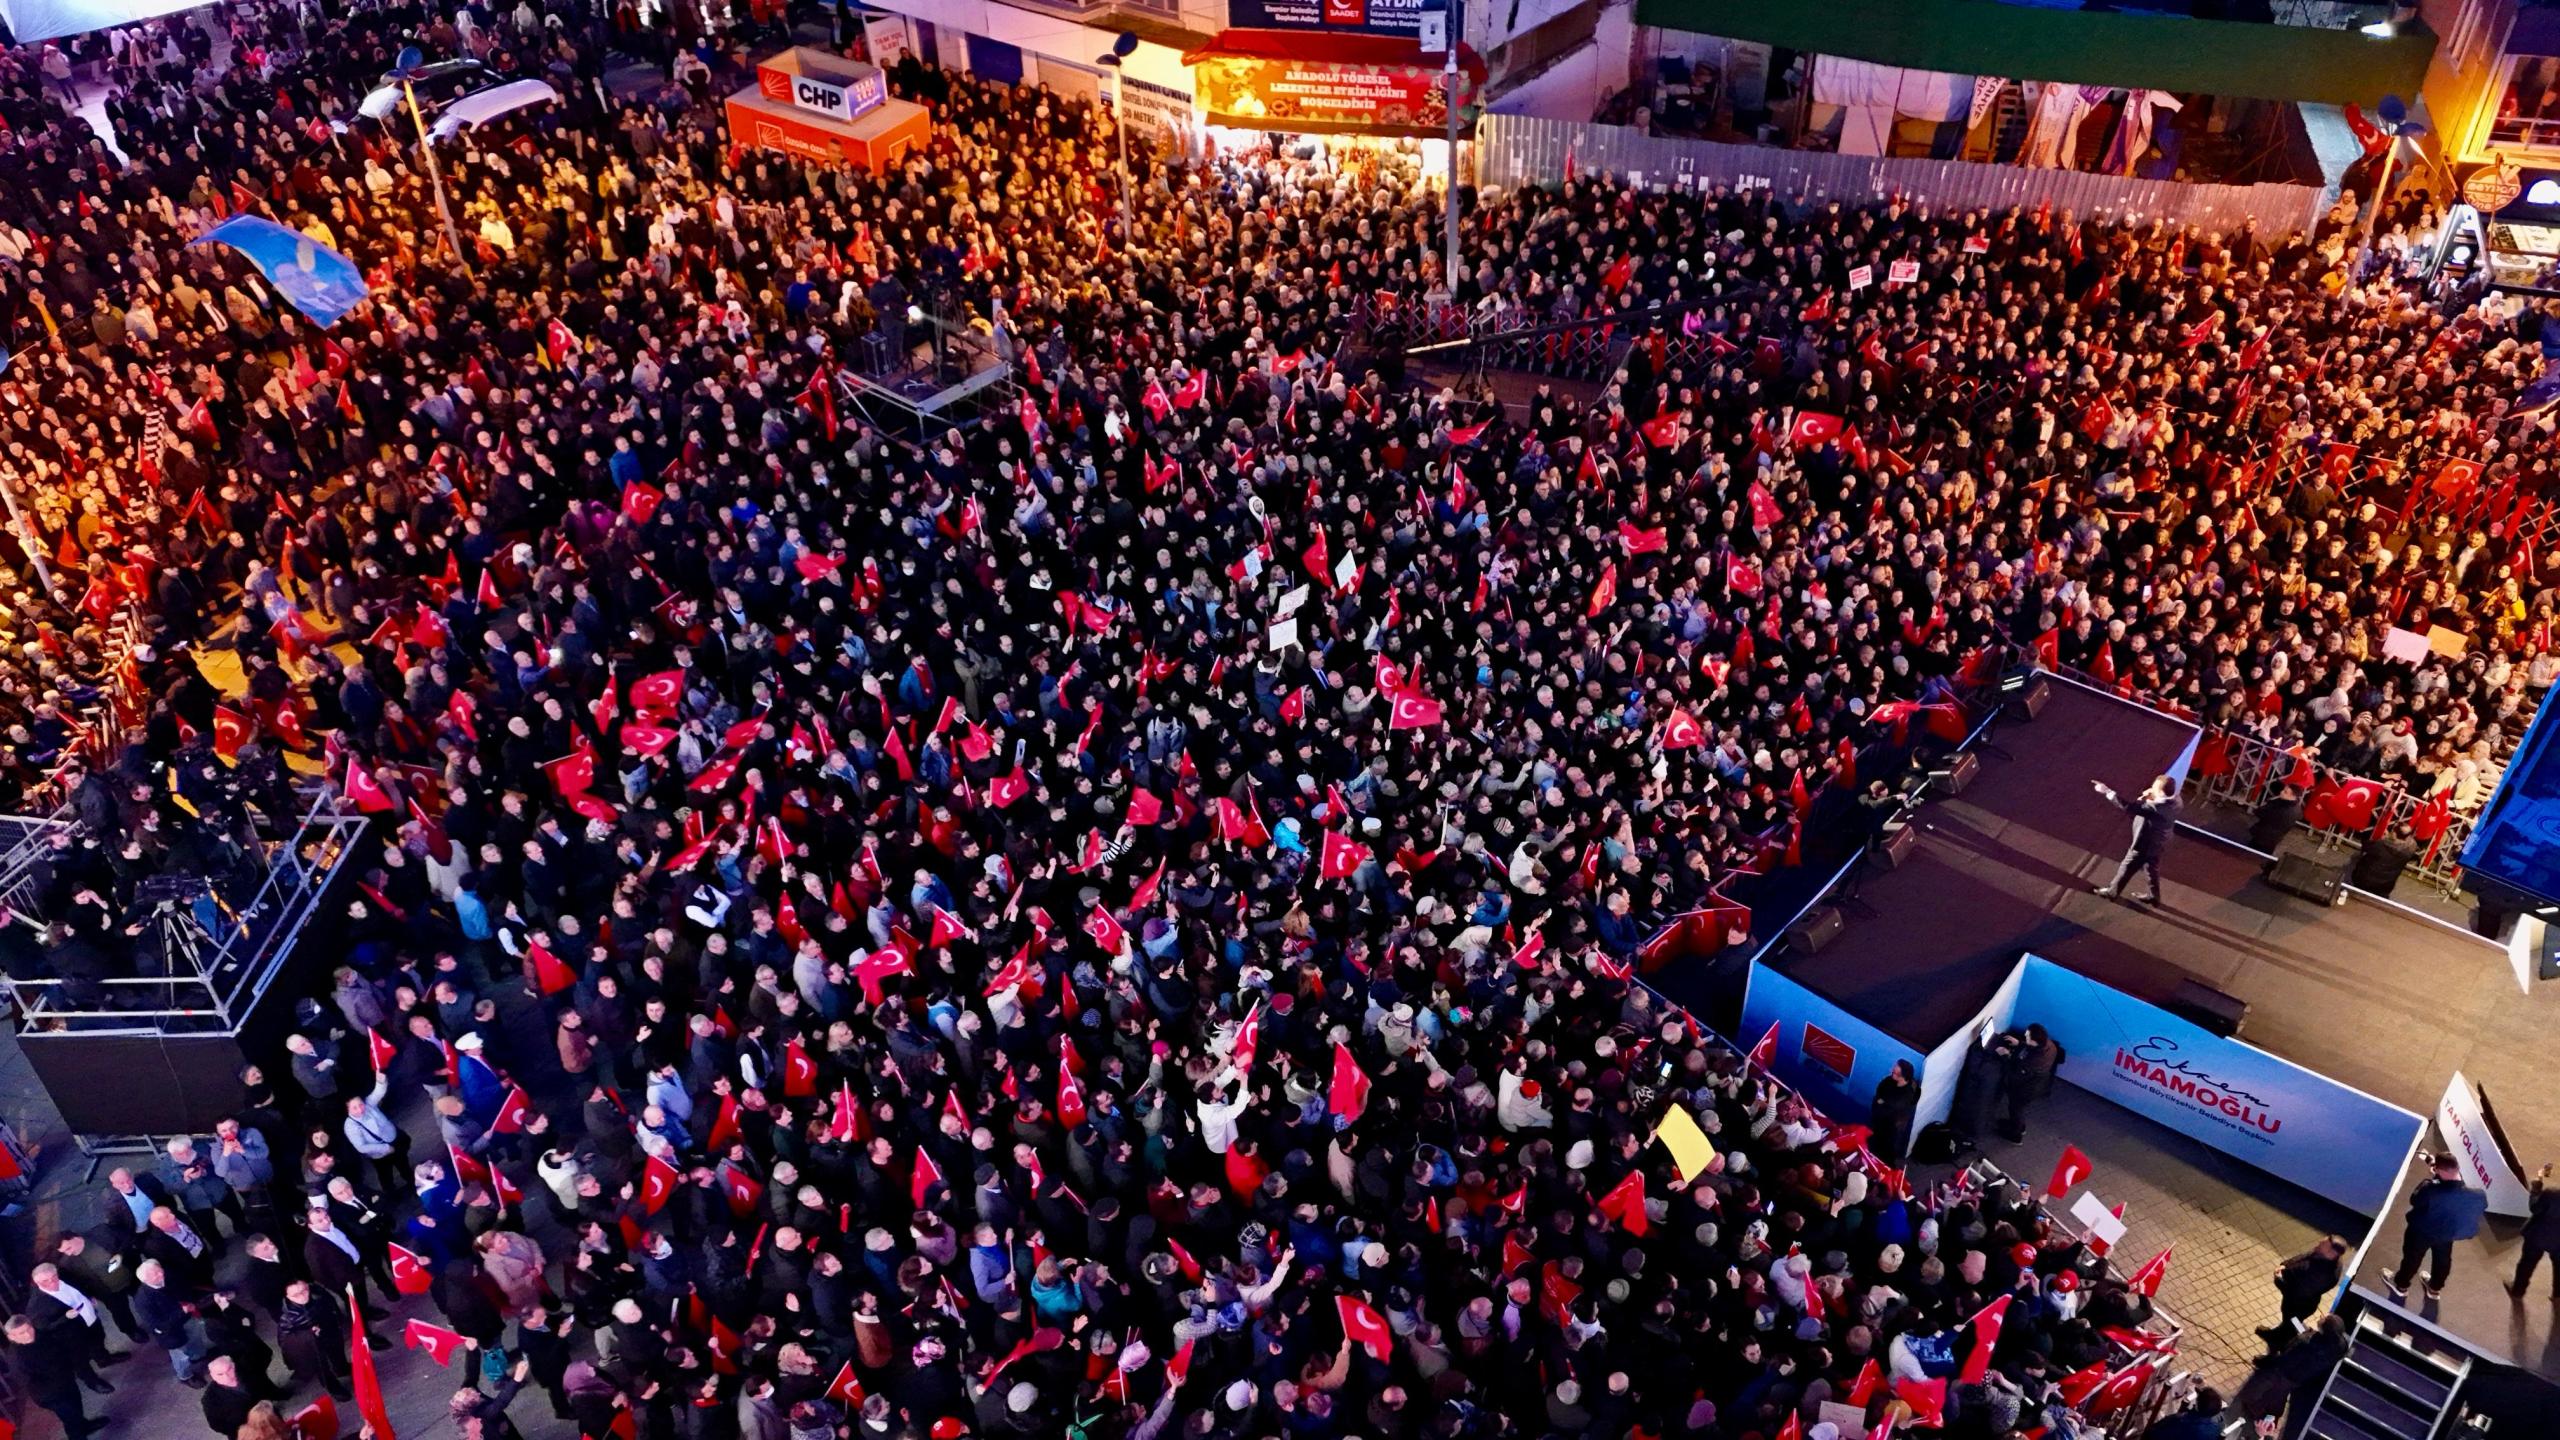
(2379, 997)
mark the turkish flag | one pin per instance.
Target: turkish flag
(439, 1343)
(379, 1050)
(1765, 1054)
(846, 1386)
(1144, 807)
(1864, 1388)
(230, 731)
(317, 1420)
(2068, 1171)
(845, 1125)
(799, 1072)
(550, 973)
(409, 1271)
(2153, 1271)
(657, 1184)
(367, 1385)
(365, 791)
(716, 775)
(646, 740)
(1682, 731)
(1986, 1335)
(1005, 789)
(744, 1190)
(1813, 428)
(2122, 1389)
(1364, 1327)
(658, 694)
(571, 774)
(1411, 710)
(1106, 931)
(1605, 593)
(640, 502)
(1178, 1369)
(1531, 951)
(1294, 709)
(1070, 1098)
(1764, 506)
(1348, 1095)
(1341, 856)
(947, 928)
(1640, 541)
(925, 1176)
(1927, 1399)
(514, 1112)
(1625, 1204)
(2076, 1387)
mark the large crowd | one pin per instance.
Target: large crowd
(1118, 919)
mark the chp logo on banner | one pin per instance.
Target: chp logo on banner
(2295, 1124)
(2471, 1136)
(1829, 1051)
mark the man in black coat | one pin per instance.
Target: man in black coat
(227, 1400)
(330, 1258)
(43, 1370)
(2541, 1236)
(2301, 1284)
(2155, 818)
(166, 1315)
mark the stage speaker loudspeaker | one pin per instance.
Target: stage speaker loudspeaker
(2222, 1014)
(1897, 842)
(2030, 702)
(1961, 773)
(1814, 929)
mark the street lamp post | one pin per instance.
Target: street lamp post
(409, 61)
(1117, 62)
(1449, 82)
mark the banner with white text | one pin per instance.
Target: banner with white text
(2297, 1125)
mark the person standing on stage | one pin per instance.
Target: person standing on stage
(2441, 1210)
(2155, 815)
(2541, 1236)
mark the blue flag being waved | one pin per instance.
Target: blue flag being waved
(320, 282)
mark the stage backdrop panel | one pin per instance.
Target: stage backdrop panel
(1946, 1061)
(2297, 1125)
(1832, 1056)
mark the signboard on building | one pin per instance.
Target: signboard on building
(1373, 17)
(1328, 97)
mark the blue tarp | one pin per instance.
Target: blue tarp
(320, 282)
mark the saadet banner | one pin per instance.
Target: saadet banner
(2296, 1124)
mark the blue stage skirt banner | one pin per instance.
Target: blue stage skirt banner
(1834, 1058)
(2297, 1125)
(320, 282)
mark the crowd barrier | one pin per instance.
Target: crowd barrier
(2240, 771)
(1526, 150)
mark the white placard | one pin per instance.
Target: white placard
(1284, 635)
(1290, 602)
(1635, 179)
(2096, 1220)
(1346, 573)
(1904, 272)
(2406, 646)
(2467, 1138)
(1862, 277)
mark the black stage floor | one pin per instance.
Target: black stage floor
(2475, 1309)
(2374, 995)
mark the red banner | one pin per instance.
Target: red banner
(1328, 97)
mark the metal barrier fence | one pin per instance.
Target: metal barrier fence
(1524, 150)
(2240, 771)
(221, 941)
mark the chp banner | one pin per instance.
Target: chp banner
(2296, 1124)
(1834, 1058)
(2472, 1136)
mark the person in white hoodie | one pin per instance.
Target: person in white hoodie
(1519, 1107)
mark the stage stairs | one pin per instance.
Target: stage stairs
(2397, 1383)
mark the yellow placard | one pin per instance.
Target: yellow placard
(1690, 1148)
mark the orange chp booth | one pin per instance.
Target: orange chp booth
(823, 107)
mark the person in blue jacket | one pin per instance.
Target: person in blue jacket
(2442, 1210)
